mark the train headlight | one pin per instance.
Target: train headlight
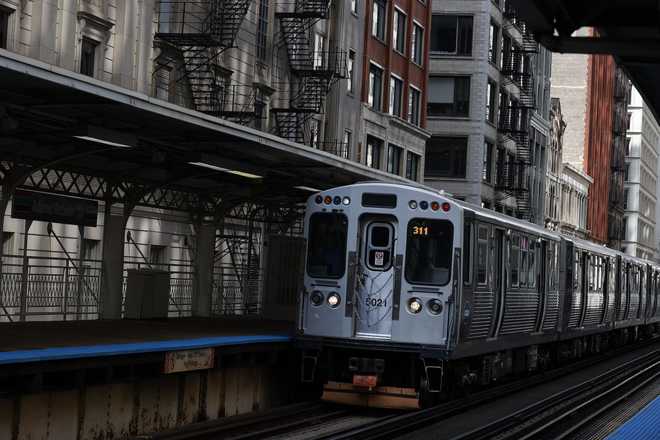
(334, 299)
(412, 204)
(316, 298)
(346, 201)
(414, 305)
(435, 307)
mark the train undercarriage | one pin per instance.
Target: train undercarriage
(413, 379)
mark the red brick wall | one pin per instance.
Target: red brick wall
(392, 61)
(598, 142)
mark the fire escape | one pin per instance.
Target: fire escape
(201, 31)
(514, 124)
(313, 69)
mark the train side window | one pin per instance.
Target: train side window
(482, 256)
(514, 257)
(326, 249)
(467, 254)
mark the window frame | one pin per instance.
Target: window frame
(399, 36)
(376, 153)
(378, 22)
(414, 109)
(451, 257)
(450, 143)
(417, 50)
(345, 247)
(5, 25)
(85, 68)
(461, 83)
(457, 30)
(391, 148)
(412, 166)
(394, 81)
(371, 99)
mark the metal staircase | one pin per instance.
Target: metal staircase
(514, 121)
(313, 70)
(201, 31)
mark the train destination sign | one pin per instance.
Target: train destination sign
(34, 205)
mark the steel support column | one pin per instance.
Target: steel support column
(112, 286)
(203, 281)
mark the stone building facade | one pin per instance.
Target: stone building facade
(641, 179)
(593, 93)
(488, 108)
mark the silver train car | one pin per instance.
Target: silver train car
(410, 295)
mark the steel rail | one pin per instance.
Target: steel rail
(396, 425)
(581, 398)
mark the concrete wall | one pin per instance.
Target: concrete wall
(124, 410)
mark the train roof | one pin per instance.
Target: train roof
(505, 219)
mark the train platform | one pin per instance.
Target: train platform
(34, 342)
(643, 425)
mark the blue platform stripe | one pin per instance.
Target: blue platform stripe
(644, 425)
(87, 351)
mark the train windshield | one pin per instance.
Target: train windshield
(429, 251)
(326, 250)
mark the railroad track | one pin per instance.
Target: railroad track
(316, 420)
(567, 412)
(398, 425)
(255, 426)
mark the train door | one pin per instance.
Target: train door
(542, 284)
(375, 278)
(499, 278)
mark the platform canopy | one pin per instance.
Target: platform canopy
(81, 136)
(627, 29)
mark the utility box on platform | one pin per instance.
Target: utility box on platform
(147, 294)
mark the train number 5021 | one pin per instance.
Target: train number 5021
(376, 302)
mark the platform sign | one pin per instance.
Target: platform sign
(189, 360)
(34, 205)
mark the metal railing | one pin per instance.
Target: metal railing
(49, 289)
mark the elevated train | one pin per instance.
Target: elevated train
(410, 295)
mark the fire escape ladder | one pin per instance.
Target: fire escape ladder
(313, 69)
(201, 32)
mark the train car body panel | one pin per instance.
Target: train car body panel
(406, 289)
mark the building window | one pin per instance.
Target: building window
(451, 34)
(490, 101)
(394, 154)
(449, 96)
(492, 42)
(158, 255)
(378, 20)
(7, 243)
(91, 250)
(87, 57)
(417, 44)
(162, 76)
(628, 120)
(4, 27)
(319, 44)
(412, 166)
(351, 71)
(625, 199)
(396, 96)
(374, 150)
(262, 30)
(354, 6)
(628, 139)
(399, 31)
(446, 157)
(346, 148)
(414, 106)
(375, 87)
(488, 159)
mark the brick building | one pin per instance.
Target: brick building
(594, 93)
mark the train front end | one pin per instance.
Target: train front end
(377, 314)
